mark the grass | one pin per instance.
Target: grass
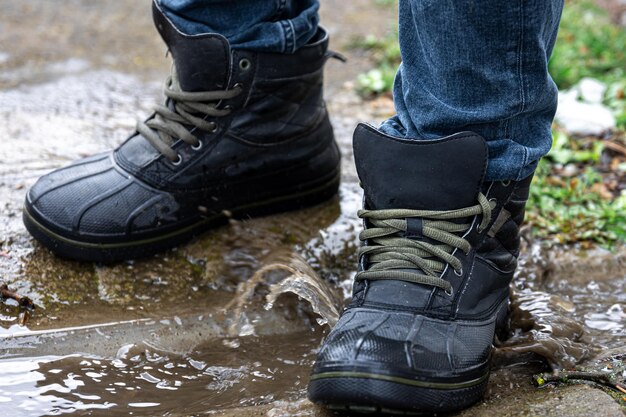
(570, 210)
(385, 52)
(588, 45)
(582, 206)
(576, 195)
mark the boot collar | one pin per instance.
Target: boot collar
(202, 61)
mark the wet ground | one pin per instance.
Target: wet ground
(228, 324)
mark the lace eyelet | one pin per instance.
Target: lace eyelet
(244, 64)
(197, 146)
(506, 183)
(449, 292)
(178, 161)
(213, 128)
(458, 273)
(238, 86)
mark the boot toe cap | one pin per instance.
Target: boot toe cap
(407, 343)
(92, 197)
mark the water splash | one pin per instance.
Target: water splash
(542, 325)
(566, 305)
(301, 280)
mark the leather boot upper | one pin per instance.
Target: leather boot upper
(270, 138)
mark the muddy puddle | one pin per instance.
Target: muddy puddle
(145, 379)
(228, 324)
(243, 338)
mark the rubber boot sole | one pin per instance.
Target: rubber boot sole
(371, 393)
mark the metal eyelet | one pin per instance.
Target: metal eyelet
(197, 146)
(178, 161)
(244, 64)
(506, 183)
(238, 86)
(458, 273)
(449, 292)
(213, 127)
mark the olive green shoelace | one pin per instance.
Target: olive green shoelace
(170, 124)
(392, 256)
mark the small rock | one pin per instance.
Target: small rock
(591, 90)
(577, 401)
(581, 118)
(570, 170)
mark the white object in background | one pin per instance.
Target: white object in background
(583, 118)
(591, 90)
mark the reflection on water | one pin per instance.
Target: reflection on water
(213, 375)
(611, 321)
(29, 389)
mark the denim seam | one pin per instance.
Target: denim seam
(288, 36)
(520, 171)
(292, 38)
(284, 37)
(520, 61)
(507, 129)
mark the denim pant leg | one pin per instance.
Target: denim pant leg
(259, 25)
(479, 65)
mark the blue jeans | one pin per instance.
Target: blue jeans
(479, 65)
(259, 25)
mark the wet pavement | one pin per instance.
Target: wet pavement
(228, 324)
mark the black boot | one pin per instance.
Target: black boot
(241, 134)
(440, 248)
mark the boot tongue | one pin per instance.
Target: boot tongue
(441, 174)
(396, 173)
(202, 64)
(202, 61)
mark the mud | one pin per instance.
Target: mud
(228, 324)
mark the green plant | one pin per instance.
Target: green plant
(386, 2)
(588, 45)
(385, 52)
(375, 81)
(569, 210)
(615, 99)
(565, 150)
